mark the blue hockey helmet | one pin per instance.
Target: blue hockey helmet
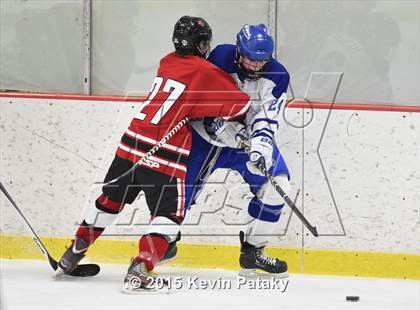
(254, 43)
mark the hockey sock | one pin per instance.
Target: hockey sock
(89, 233)
(263, 221)
(152, 248)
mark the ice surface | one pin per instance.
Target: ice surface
(31, 285)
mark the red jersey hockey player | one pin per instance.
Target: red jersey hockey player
(186, 86)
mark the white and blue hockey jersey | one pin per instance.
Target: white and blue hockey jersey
(267, 95)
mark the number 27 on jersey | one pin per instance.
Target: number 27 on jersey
(171, 87)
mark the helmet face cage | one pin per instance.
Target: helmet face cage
(192, 36)
(254, 50)
(204, 48)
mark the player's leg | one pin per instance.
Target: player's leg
(264, 212)
(200, 166)
(99, 216)
(201, 163)
(165, 196)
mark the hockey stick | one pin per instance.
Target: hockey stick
(80, 271)
(152, 151)
(289, 202)
(208, 170)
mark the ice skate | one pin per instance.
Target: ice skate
(73, 255)
(171, 252)
(140, 281)
(253, 259)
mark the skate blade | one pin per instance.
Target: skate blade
(59, 274)
(252, 274)
(127, 289)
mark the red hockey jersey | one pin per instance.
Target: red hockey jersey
(184, 86)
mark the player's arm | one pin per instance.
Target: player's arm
(219, 96)
(221, 100)
(264, 122)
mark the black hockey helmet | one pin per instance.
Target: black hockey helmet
(192, 36)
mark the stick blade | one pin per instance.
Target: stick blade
(52, 262)
(314, 231)
(85, 270)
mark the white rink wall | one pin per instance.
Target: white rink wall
(53, 151)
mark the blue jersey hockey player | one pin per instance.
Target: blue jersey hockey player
(215, 142)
